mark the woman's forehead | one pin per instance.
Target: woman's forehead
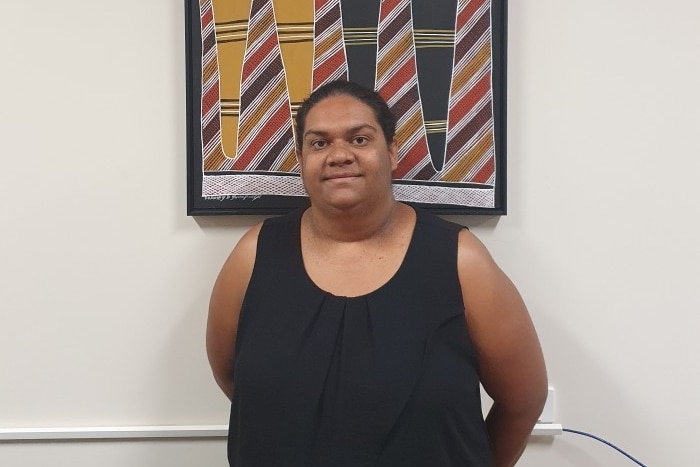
(341, 106)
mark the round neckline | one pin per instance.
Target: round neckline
(404, 260)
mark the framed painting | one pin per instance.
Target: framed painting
(440, 65)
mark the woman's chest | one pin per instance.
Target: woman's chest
(352, 270)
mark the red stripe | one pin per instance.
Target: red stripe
(392, 86)
(281, 116)
(207, 18)
(483, 175)
(328, 67)
(252, 62)
(318, 4)
(415, 155)
(210, 99)
(467, 12)
(469, 100)
(386, 7)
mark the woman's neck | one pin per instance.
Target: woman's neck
(353, 225)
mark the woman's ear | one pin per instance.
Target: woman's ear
(394, 154)
(297, 154)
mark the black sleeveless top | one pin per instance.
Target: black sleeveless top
(386, 379)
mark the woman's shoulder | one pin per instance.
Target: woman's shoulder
(426, 218)
(291, 219)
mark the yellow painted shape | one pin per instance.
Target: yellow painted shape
(231, 10)
(296, 18)
(295, 27)
(230, 62)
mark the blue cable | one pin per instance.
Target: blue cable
(583, 433)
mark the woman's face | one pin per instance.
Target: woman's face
(345, 159)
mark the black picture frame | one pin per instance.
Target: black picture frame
(241, 203)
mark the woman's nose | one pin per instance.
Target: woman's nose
(340, 154)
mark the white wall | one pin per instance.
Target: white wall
(105, 281)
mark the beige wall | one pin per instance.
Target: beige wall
(105, 280)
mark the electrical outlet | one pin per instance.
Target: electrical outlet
(547, 415)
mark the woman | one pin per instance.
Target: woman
(356, 332)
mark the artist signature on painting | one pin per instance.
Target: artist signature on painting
(234, 197)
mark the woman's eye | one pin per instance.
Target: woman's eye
(318, 144)
(360, 140)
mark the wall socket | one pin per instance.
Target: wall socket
(547, 415)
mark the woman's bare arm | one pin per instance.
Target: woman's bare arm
(511, 364)
(225, 306)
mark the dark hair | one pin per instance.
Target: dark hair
(386, 119)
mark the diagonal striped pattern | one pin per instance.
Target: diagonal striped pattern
(212, 152)
(397, 83)
(470, 149)
(330, 62)
(265, 135)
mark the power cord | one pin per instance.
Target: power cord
(583, 433)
